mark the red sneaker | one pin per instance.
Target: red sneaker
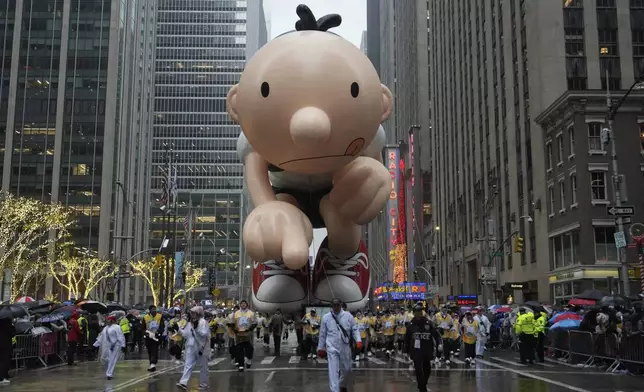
(347, 280)
(277, 287)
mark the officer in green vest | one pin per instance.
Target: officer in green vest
(125, 328)
(540, 335)
(525, 330)
(83, 338)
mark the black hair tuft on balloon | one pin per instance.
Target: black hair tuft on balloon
(307, 20)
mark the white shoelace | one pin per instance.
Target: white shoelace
(276, 267)
(343, 267)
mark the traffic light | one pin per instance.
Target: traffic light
(518, 244)
(159, 261)
(212, 279)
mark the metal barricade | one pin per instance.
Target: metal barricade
(557, 344)
(581, 347)
(630, 355)
(39, 347)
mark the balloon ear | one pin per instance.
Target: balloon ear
(387, 103)
(231, 102)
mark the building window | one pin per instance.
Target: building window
(573, 188)
(571, 140)
(562, 196)
(598, 186)
(564, 249)
(549, 155)
(605, 249)
(594, 136)
(560, 149)
(551, 200)
(574, 31)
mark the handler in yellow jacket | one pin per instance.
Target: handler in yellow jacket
(470, 328)
(525, 329)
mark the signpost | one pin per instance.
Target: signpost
(621, 210)
(620, 239)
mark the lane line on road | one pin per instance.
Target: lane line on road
(267, 360)
(562, 363)
(513, 363)
(376, 361)
(270, 377)
(137, 380)
(534, 376)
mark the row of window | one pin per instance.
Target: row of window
(565, 248)
(598, 192)
(196, 132)
(194, 77)
(203, 183)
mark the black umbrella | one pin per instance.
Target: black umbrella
(536, 306)
(33, 305)
(114, 306)
(93, 307)
(23, 327)
(140, 306)
(593, 295)
(12, 311)
(614, 300)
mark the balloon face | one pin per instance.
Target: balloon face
(309, 102)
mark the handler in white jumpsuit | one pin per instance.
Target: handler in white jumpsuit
(483, 332)
(196, 333)
(111, 341)
(335, 344)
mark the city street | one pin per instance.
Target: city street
(499, 372)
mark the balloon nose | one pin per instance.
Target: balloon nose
(310, 127)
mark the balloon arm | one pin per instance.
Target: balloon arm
(256, 175)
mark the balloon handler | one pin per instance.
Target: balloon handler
(310, 104)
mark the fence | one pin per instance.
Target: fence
(41, 348)
(589, 349)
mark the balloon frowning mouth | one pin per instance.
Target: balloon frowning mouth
(353, 149)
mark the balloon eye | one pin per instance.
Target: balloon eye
(265, 89)
(355, 90)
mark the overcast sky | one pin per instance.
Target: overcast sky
(281, 16)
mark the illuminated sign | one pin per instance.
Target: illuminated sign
(463, 300)
(401, 291)
(396, 247)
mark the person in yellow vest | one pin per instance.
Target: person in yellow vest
(372, 338)
(401, 330)
(388, 323)
(125, 325)
(469, 328)
(525, 330)
(362, 323)
(455, 334)
(243, 323)
(231, 336)
(311, 329)
(82, 339)
(540, 335)
(153, 329)
(445, 325)
(218, 329)
(176, 340)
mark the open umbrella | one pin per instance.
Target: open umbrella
(536, 306)
(566, 324)
(23, 300)
(593, 295)
(565, 316)
(114, 306)
(503, 309)
(23, 327)
(66, 310)
(581, 302)
(50, 318)
(93, 306)
(12, 311)
(40, 304)
(614, 300)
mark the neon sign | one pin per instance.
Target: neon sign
(401, 291)
(396, 247)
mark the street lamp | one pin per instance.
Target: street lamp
(528, 218)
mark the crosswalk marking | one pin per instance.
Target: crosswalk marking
(508, 362)
(267, 360)
(216, 361)
(401, 360)
(294, 359)
(457, 361)
(377, 361)
(321, 360)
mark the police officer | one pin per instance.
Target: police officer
(421, 338)
(525, 330)
(540, 335)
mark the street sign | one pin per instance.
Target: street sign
(621, 211)
(488, 282)
(488, 273)
(637, 231)
(620, 239)
(625, 220)
(495, 254)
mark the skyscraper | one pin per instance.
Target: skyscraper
(202, 47)
(74, 104)
(516, 84)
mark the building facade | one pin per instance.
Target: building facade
(74, 108)
(397, 44)
(496, 67)
(202, 48)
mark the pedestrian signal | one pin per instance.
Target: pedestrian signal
(518, 244)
